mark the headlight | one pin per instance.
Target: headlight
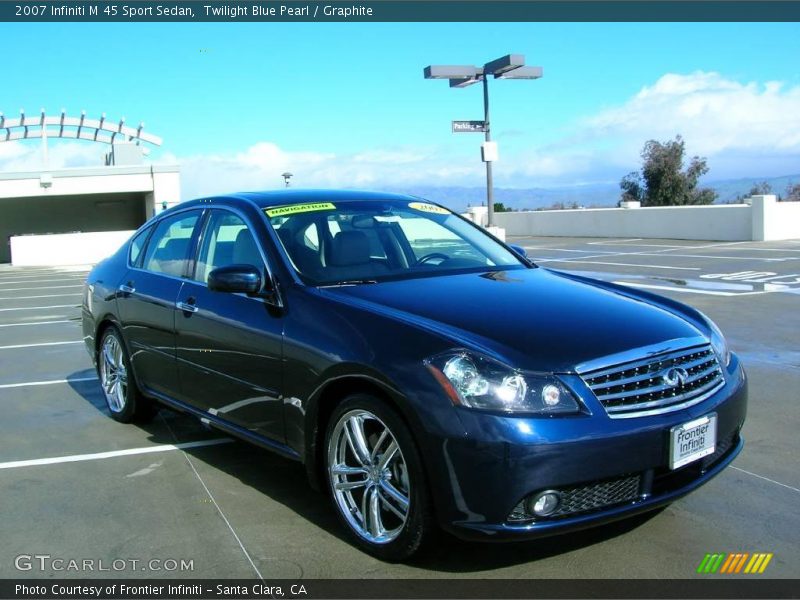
(719, 343)
(478, 382)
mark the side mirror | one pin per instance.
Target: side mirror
(519, 250)
(245, 279)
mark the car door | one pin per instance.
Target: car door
(146, 301)
(229, 345)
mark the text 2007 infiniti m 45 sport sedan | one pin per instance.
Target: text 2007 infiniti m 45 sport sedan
(423, 372)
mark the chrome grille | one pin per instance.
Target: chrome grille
(657, 384)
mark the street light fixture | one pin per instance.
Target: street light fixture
(286, 177)
(510, 66)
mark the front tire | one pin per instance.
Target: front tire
(376, 479)
(125, 403)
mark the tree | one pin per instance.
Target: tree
(760, 189)
(500, 207)
(793, 192)
(663, 181)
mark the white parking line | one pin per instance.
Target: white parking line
(794, 489)
(671, 250)
(27, 275)
(598, 262)
(766, 249)
(37, 323)
(566, 250)
(686, 290)
(7, 386)
(8, 281)
(751, 258)
(17, 346)
(16, 464)
(614, 242)
(45, 296)
(41, 287)
(214, 501)
(41, 307)
(640, 245)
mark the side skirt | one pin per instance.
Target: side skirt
(227, 427)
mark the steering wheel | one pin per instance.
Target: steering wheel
(431, 256)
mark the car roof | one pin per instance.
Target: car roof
(270, 198)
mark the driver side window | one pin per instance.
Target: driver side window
(226, 241)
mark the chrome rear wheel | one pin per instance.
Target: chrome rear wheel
(125, 402)
(113, 374)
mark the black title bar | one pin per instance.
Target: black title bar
(184, 589)
(401, 11)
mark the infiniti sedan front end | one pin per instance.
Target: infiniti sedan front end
(609, 440)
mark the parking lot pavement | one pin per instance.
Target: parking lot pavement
(77, 485)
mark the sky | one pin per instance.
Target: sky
(346, 105)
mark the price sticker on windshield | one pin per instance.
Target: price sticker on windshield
(430, 208)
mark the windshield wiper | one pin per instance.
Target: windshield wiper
(348, 282)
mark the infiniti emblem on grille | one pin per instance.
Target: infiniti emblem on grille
(675, 377)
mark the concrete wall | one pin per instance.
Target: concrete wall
(762, 219)
(66, 248)
(774, 220)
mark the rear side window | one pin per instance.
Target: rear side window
(137, 244)
(168, 250)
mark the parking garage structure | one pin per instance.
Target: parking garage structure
(79, 215)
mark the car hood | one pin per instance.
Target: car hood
(534, 319)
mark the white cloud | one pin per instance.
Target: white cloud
(743, 129)
(715, 115)
(28, 156)
(261, 166)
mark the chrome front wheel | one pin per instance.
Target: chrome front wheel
(376, 479)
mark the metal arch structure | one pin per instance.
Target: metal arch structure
(100, 130)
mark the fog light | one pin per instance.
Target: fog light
(544, 503)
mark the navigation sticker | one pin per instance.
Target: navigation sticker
(293, 209)
(431, 208)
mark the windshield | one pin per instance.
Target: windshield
(369, 241)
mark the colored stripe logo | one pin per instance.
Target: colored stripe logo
(735, 563)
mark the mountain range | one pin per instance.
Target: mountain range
(587, 195)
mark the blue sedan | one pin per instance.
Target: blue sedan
(425, 374)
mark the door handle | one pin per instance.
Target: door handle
(127, 288)
(187, 306)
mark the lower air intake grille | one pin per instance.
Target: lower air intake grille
(586, 498)
(598, 495)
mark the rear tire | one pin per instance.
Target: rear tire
(125, 403)
(376, 479)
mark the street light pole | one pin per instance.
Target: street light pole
(511, 66)
(488, 137)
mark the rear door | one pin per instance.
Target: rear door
(229, 345)
(146, 301)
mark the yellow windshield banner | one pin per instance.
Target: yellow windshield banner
(431, 208)
(293, 209)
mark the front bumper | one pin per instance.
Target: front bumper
(479, 479)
